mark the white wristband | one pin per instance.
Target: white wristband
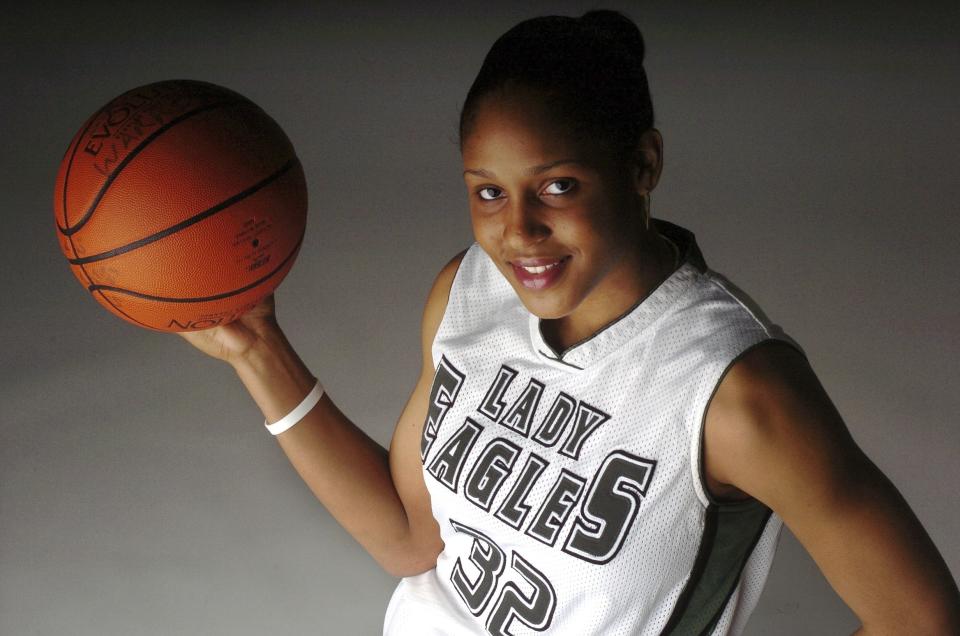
(296, 414)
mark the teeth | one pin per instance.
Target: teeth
(541, 269)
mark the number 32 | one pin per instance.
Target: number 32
(535, 610)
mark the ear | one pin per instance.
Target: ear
(649, 161)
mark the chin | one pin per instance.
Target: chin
(544, 310)
(549, 304)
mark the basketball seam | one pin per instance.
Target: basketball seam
(69, 231)
(130, 292)
(173, 229)
(128, 316)
(73, 155)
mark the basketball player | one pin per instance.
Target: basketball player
(606, 436)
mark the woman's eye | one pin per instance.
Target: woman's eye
(489, 193)
(560, 186)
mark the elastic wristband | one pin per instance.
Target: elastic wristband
(296, 414)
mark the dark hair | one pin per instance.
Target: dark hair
(591, 67)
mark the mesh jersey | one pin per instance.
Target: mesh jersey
(568, 487)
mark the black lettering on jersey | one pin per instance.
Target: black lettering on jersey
(521, 412)
(448, 463)
(553, 513)
(491, 469)
(489, 559)
(513, 510)
(587, 420)
(552, 426)
(446, 385)
(535, 610)
(612, 504)
(492, 405)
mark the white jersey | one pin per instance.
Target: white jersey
(568, 485)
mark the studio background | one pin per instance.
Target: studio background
(813, 152)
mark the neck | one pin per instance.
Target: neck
(656, 259)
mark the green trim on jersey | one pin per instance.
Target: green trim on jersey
(730, 533)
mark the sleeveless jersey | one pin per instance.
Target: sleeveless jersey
(568, 486)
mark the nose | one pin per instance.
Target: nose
(524, 224)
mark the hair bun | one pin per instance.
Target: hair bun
(589, 68)
(617, 27)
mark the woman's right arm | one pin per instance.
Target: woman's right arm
(379, 497)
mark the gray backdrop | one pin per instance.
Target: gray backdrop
(812, 151)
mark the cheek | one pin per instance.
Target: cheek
(485, 228)
(585, 230)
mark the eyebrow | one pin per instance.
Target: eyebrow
(530, 171)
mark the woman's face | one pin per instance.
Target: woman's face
(560, 219)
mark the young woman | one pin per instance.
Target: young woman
(606, 435)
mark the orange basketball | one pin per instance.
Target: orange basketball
(180, 205)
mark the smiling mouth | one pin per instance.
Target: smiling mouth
(539, 273)
(540, 269)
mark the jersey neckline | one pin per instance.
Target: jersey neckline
(631, 323)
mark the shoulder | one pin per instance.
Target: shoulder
(771, 425)
(767, 374)
(439, 295)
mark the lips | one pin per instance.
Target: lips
(539, 273)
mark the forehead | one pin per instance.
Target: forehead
(519, 125)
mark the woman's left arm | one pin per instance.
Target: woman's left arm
(772, 432)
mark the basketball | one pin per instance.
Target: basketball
(180, 205)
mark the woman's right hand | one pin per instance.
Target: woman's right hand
(232, 341)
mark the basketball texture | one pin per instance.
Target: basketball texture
(180, 205)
